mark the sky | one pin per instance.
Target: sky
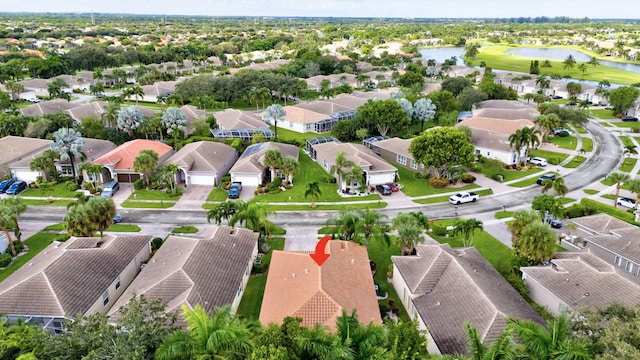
(628, 9)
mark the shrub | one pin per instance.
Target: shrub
(138, 184)
(468, 179)
(277, 181)
(574, 211)
(18, 245)
(439, 230)
(71, 185)
(156, 243)
(5, 260)
(554, 160)
(61, 237)
(438, 182)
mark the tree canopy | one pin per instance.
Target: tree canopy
(442, 148)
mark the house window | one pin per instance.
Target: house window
(65, 170)
(325, 164)
(239, 291)
(629, 267)
(488, 153)
(105, 298)
(618, 261)
(477, 152)
(402, 160)
(118, 283)
(414, 165)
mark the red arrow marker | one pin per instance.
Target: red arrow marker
(320, 256)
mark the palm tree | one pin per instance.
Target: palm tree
(253, 216)
(409, 232)
(536, 242)
(371, 223)
(543, 82)
(318, 343)
(630, 150)
(355, 176)
(551, 342)
(313, 191)
(101, 212)
(145, 163)
(467, 228)
(15, 88)
(345, 222)
(137, 91)
(70, 145)
(110, 116)
(129, 119)
(524, 138)
(15, 206)
(221, 336)
(569, 62)
(634, 187)
(521, 219)
(224, 210)
(547, 122)
(289, 166)
(340, 168)
(272, 160)
(618, 179)
(6, 221)
(360, 341)
(169, 172)
(44, 165)
(273, 115)
(557, 184)
(502, 348)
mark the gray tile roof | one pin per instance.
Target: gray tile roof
(395, 145)
(232, 119)
(92, 109)
(507, 114)
(253, 163)
(67, 278)
(600, 223)
(580, 279)
(452, 287)
(48, 107)
(203, 156)
(356, 153)
(502, 104)
(15, 148)
(205, 270)
(625, 242)
(489, 139)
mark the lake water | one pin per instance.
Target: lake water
(561, 54)
(440, 54)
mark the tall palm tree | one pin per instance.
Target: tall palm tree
(467, 228)
(536, 242)
(618, 179)
(543, 82)
(557, 184)
(630, 150)
(101, 212)
(318, 343)
(524, 139)
(169, 172)
(44, 165)
(272, 160)
(340, 167)
(218, 336)
(145, 163)
(110, 116)
(273, 115)
(224, 210)
(371, 224)
(15, 207)
(345, 222)
(253, 216)
(569, 62)
(409, 232)
(289, 166)
(355, 176)
(6, 221)
(93, 171)
(521, 219)
(551, 342)
(547, 122)
(313, 191)
(70, 145)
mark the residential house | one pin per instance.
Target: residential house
(298, 287)
(527, 113)
(81, 276)
(234, 123)
(93, 149)
(48, 107)
(35, 88)
(395, 151)
(75, 83)
(119, 161)
(375, 170)
(250, 170)
(17, 155)
(349, 101)
(203, 162)
(210, 270)
(93, 109)
(159, 89)
(444, 288)
(578, 280)
(302, 120)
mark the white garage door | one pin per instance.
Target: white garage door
(246, 179)
(202, 180)
(376, 179)
(28, 176)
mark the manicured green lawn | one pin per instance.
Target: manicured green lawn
(494, 56)
(36, 243)
(625, 141)
(251, 302)
(565, 200)
(587, 144)
(412, 186)
(503, 214)
(58, 190)
(47, 202)
(185, 230)
(373, 205)
(567, 142)
(217, 194)
(311, 171)
(575, 162)
(601, 113)
(628, 164)
(148, 204)
(509, 175)
(498, 254)
(528, 182)
(627, 124)
(55, 227)
(611, 210)
(381, 253)
(144, 194)
(590, 191)
(124, 228)
(580, 129)
(285, 135)
(445, 198)
(549, 155)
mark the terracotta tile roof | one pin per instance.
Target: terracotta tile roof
(581, 279)
(437, 277)
(232, 119)
(297, 286)
(356, 153)
(203, 156)
(124, 155)
(15, 148)
(499, 126)
(251, 160)
(207, 269)
(67, 278)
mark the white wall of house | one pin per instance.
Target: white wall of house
(247, 179)
(508, 158)
(542, 296)
(27, 95)
(245, 280)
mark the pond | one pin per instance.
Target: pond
(440, 54)
(561, 54)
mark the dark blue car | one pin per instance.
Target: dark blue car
(17, 187)
(4, 186)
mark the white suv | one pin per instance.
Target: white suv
(538, 161)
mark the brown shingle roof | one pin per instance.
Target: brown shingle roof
(203, 156)
(124, 155)
(297, 286)
(439, 275)
(499, 126)
(206, 270)
(92, 109)
(67, 278)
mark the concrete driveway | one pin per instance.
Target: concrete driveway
(301, 238)
(193, 197)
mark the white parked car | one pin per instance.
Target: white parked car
(463, 197)
(626, 202)
(538, 161)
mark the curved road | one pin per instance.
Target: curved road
(606, 156)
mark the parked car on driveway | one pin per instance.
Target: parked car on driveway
(544, 177)
(393, 186)
(234, 190)
(561, 131)
(538, 161)
(551, 220)
(383, 189)
(17, 187)
(4, 186)
(629, 118)
(626, 202)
